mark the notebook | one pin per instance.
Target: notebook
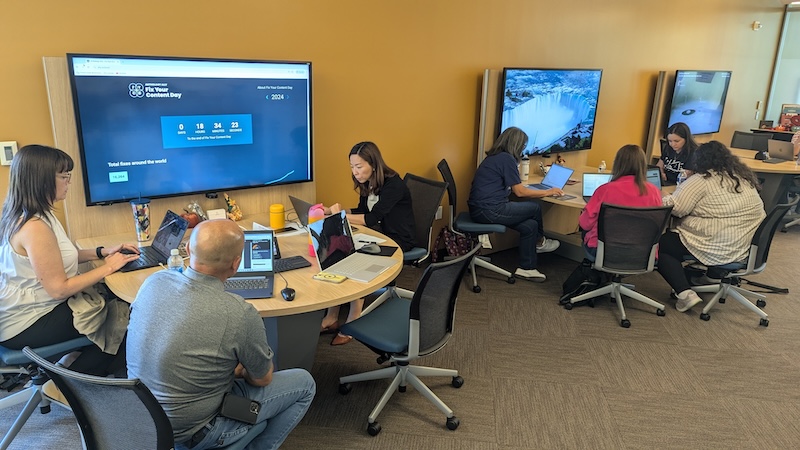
(168, 236)
(335, 249)
(255, 276)
(779, 151)
(557, 177)
(654, 176)
(592, 181)
(301, 208)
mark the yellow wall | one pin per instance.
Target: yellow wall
(406, 74)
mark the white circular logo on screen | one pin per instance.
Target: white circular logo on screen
(136, 90)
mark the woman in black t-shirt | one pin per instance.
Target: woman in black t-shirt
(677, 153)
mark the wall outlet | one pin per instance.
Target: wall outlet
(7, 151)
(438, 213)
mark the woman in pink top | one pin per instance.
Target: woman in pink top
(628, 187)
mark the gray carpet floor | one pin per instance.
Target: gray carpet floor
(539, 376)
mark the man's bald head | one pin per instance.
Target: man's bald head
(215, 247)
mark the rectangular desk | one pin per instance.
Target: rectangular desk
(292, 327)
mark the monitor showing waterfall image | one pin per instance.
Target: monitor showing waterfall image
(556, 108)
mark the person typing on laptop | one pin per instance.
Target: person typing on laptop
(496, 178)
(384, 204)
(194, 345)
(40, 282)
(628, 187)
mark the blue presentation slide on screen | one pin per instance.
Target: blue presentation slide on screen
(145, 137)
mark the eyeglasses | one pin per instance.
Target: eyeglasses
(67, 176)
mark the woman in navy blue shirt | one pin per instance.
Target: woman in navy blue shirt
(495, 179)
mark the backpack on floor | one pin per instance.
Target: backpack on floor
(583, 279)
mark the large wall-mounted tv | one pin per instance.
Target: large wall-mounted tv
(698, 99)
(555, 107)
(163, 126)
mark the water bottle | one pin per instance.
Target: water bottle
(681, 177)
(524, 168)
(315, 213)
(602, 167)
(175, 262)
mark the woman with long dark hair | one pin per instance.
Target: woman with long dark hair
(676, 155)
(40, 264)
(719, 210)
(384, 204)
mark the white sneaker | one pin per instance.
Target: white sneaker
(686, 300)
(50, 389)
(547, 246)
(532, 274)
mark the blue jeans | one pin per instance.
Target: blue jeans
(283, 403)
(524, 217)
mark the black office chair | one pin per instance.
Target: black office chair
(403, 330)
(16, 362)
(117, 413)
(463, 223)
(426, 197)
(752, 141)
(627, 244)
(756, 261)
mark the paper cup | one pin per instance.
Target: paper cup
(141, 218)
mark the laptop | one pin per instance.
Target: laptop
(255, 276)
(168, 236)
(592, 181)
(654, 176)
(779, 151)
(301, 208)
(556, 177)
(335, 249)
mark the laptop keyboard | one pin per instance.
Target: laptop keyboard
(290, 263)
(241, 284)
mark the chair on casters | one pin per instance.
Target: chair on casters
(463, 223)
(16, 362)
(731, 274)
(627, 244)
(403, 330)
(426, 196)
(117, 413)
(793, 217)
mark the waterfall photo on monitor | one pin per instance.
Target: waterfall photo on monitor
(555, 107)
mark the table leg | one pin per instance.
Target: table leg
(294, 339)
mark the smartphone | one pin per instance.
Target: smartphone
(330, 277)
(283, 230)
(240, 408)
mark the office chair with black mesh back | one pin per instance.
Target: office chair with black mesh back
(755, 263)
(750, 141)
(16, 362)
(627, 244)
(426, 197)
(463, 223)
(403, 330)
(118, 413)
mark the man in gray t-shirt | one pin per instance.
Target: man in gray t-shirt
(191, 342)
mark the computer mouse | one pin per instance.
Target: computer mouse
(372, 249)
(287, 294)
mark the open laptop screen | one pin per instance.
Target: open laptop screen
(654, 176)
(170, 233)
(592, 181)
(332, 239)
(557, 176)
(257, 254)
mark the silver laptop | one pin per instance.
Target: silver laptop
(168, 236)
(779, 151)
(334, 247)
(255, 276)
(557, 177)
(592, 181)
(301, 208)
(654, 176)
